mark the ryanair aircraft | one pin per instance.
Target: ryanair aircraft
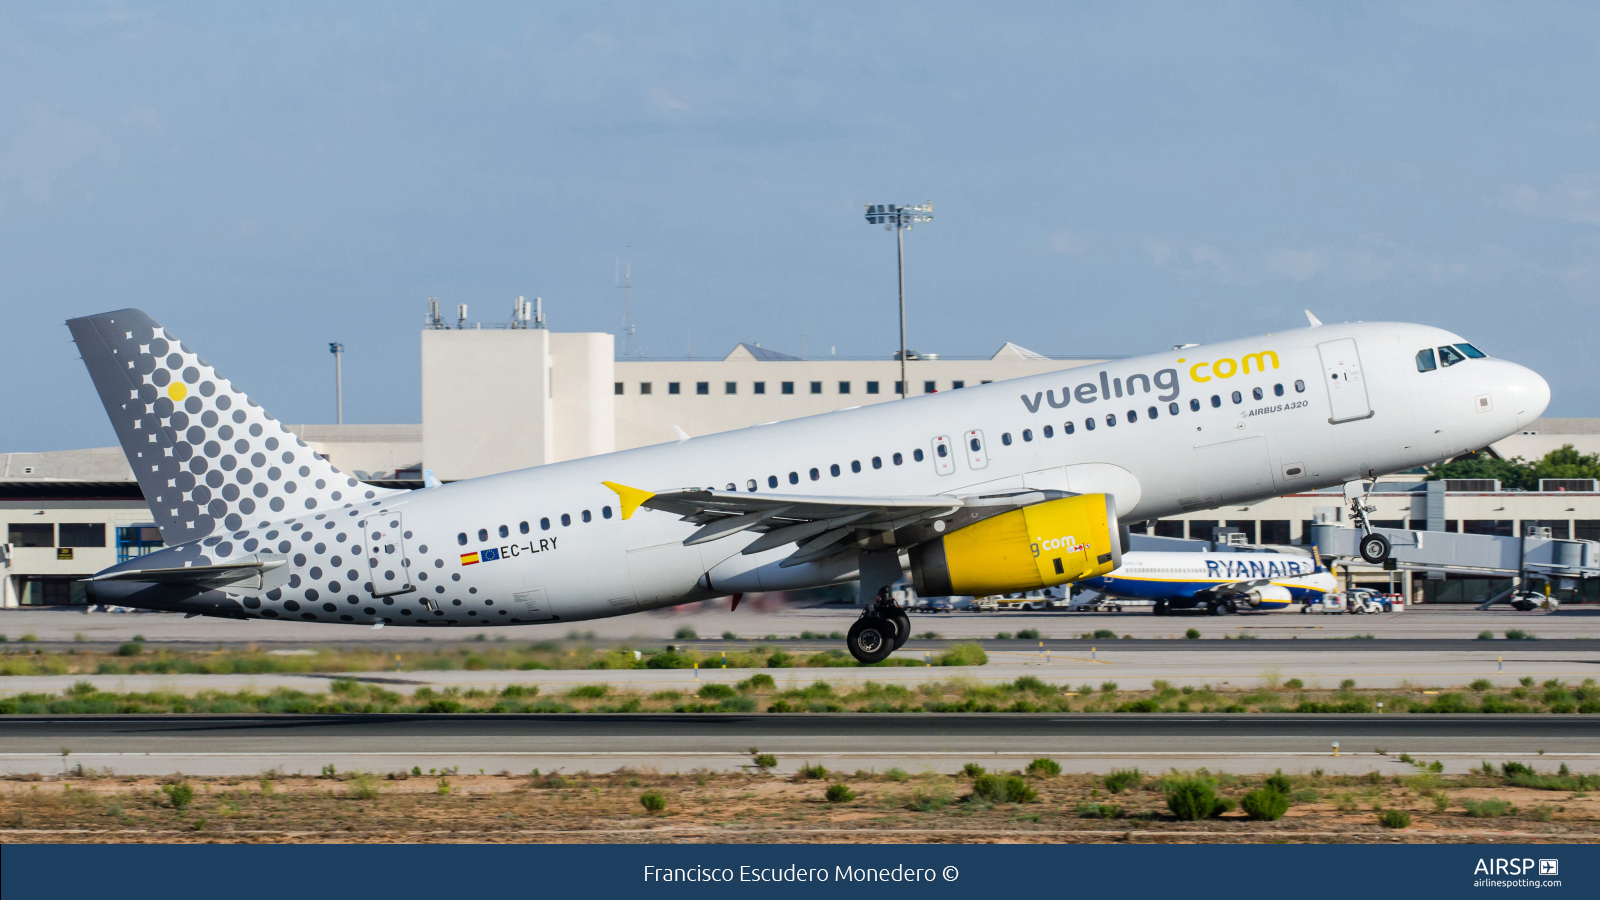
(1217, 582)
(1004, 487)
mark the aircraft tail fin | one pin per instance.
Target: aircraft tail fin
(207, 457)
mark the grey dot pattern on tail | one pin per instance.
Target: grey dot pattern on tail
(207, 456)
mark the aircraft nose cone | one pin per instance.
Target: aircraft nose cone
(1530, 394)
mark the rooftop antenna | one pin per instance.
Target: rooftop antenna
(461, 315)
(433, 321)
(538, 312)
(626, 285)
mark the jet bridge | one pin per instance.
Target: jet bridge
(1529, 557)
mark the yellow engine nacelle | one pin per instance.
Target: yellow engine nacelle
(1037, 546)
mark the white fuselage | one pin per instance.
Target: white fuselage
(1168, 437)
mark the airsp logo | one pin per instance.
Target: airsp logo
(1501, 866)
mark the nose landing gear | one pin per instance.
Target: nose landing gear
(1374, 547)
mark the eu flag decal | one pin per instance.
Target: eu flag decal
(490, 555)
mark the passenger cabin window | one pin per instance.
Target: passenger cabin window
(483, 535)
(1088, 424)
(787, 387)
(748, 485)
(605, 512)
(587, 517)
(565, 520)
(1277, 390)
(898, 459)
(1066, 428)
(1238, 397)
(941, 450)
(815, 474)
(1256, 393)
(1049, 431)
(1471, 351)
(504, 531)
(522, 527)
(916, 455)
(1172, 409)
(772, 481)
(834, 470)
(877, 462)
(1004, 439)
(1111, 420)
(1027, 434)
(794, 477)
(1194, 405)
(1299, 386)
(1425, 361)
(855, 465)
(544, 524)
(462, 538)
(1449, 356)
(1216, 401)
(1153, 413)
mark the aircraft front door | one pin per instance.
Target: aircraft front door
(1341, 373)
(385, 535)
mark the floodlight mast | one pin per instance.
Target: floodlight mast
(337, 349)
(900, 218)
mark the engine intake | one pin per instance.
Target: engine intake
(1045, 544)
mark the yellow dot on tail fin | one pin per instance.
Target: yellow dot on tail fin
(630, 497)
(177, 391)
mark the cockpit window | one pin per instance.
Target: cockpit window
(1425, 362)
(1449, 356)
(1471, 351)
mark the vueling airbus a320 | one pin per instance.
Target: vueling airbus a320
(1005, 487)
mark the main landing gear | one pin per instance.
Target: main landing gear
(879, 632)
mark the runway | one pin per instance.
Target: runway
(240, 745)
(69, 627)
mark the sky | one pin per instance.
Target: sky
(1107, 179)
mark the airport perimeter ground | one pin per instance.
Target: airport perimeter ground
(256, 777)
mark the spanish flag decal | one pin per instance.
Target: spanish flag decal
(469, 559)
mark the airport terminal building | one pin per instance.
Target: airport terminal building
(561, 396)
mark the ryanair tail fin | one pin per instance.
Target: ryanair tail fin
(206, 456)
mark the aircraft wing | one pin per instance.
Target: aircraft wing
(826, 525)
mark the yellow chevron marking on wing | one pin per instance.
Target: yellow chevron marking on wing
(630, 497)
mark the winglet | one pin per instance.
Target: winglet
(682, 435)
(630, 497)
(1313, 319)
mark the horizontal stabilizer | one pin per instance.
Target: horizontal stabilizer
(223, 573)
